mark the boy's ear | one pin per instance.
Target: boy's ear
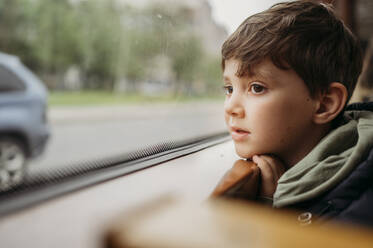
(330, 103)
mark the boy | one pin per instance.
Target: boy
(288, 73)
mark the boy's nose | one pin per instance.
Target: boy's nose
(233, 107)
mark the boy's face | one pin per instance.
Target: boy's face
(269, 112)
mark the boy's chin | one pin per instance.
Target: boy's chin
(245, 153)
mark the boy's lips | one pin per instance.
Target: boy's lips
(239, 134)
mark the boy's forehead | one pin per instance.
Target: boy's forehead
(264, 69)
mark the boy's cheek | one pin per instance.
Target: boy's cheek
(226, 118)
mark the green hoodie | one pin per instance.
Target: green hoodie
(336, 155)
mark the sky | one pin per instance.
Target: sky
(231, 13)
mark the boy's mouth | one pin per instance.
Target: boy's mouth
(239, 134)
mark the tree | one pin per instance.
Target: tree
(99, 42)
(106, 41)
(186, 55)
(14, 23)
(53, 35)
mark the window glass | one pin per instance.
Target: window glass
(115, 76)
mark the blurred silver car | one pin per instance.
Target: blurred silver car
(24, 130)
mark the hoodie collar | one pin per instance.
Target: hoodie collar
(336, 155)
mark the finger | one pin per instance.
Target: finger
(275, 165)
(268, 185)
(265, 168)
(272, 165)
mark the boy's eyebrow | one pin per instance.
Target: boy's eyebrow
(225, 78)
(266, 74)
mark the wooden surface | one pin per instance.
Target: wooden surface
(170, 223)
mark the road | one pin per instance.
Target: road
(90, 133)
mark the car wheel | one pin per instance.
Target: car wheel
(12, 162)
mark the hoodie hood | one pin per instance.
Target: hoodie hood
(336, 155)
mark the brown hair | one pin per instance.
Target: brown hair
(302, 35)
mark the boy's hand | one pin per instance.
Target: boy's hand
(271, 169)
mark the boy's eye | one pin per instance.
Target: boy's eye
(228, 90)
(256, 88)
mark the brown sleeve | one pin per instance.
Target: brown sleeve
(241, 181)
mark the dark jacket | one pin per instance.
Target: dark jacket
(351, 200)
